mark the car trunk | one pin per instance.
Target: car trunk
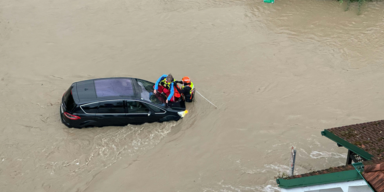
(68, 100)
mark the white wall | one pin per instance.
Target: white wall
(351, 186)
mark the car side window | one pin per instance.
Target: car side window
(91, 108)
(111, 107)
(136, 107)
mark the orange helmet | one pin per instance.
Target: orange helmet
(186, 80)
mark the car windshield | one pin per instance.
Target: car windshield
(147, 92)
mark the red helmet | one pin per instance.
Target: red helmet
(186, 80)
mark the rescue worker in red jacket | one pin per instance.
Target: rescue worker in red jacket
(188, 89)
(166, 84)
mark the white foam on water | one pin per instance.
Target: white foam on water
(102, 151)
(326, 154)
(275, 168)
(270, 188)
(278, 167)
(302, 150)
(221, 187)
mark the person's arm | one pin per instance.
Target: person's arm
(171, 94)
(158, 81)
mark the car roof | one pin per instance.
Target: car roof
(102, 89)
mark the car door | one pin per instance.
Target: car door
(90, 110)
(111, 113)
(139, 113)
(157, 112)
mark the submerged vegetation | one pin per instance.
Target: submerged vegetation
(360, 3)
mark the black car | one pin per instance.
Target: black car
(116, 102)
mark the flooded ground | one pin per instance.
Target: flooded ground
(279, 74)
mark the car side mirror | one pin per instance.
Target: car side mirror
(149, 113)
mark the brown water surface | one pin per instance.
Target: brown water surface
(279, 74)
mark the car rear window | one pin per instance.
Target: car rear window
(68, 100)
(91, 108)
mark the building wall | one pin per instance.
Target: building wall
(351, 186)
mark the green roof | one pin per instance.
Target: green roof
(336, 177)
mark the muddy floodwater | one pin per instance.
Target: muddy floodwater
(279, 74)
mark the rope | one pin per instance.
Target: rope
(207, 99)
